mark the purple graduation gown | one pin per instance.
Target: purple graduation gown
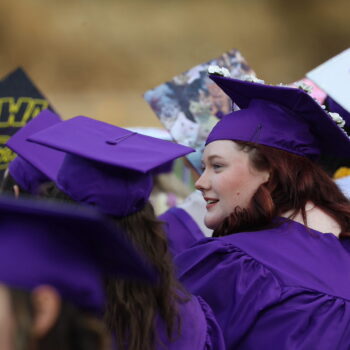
(181, 230)
(199, 329)
(282, 288)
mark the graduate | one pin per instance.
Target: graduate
(276, 274)
(110, 168)
(53, 260)
(23, 174)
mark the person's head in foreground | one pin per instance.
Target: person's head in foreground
(261, 162)
(53, 260)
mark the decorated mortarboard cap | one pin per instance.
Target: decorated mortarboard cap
(107, 166)
(333, 106)
(66, 246)
(281, 117)
(18, 84)
(20, 101)
(35, 164)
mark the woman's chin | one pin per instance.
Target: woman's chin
(211, 223)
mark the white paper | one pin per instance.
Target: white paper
(333, 77)
(344, 184)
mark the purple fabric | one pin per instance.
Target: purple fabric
(199, 328)
(181, 230)
(282, 117)
(26, 176)
(164, 168)
(112, 190)
(109, 144)
(335, 107)
(283, 288)
(47, 161)
(107, 166)
(67, 247)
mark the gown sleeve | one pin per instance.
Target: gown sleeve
(236, 286)
(181, 230)
(199, 329)
(214, 338)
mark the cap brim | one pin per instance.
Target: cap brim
(333, 106)
(112, 251)
(109, 144)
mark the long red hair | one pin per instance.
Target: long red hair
(294, 181)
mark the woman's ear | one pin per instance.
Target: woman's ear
(47, 305)
(267, 177)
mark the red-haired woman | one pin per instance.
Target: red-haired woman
(277, 272)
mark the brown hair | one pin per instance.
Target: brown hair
(133, 307)
(73, 330)
(294, 180)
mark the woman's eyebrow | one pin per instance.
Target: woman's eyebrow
(214, 156)
(210, 158)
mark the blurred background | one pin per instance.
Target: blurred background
(98, 57)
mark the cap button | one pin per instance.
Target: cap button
(119, 139)
(111, 142)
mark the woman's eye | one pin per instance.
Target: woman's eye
(216, 166)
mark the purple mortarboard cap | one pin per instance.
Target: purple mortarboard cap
(164, 169)
(34, 164)
(66, 246)
(281, 117)
(107, 166)
(337, 108)
(26, 176)
(159, 134)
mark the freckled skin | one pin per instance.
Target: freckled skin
(228, 179)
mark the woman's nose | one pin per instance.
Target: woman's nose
(202, 183)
